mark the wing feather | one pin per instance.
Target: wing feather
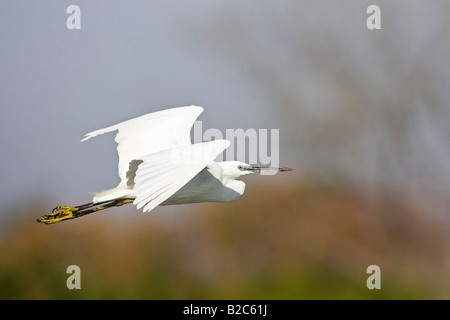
(159, 175)
(150, 133)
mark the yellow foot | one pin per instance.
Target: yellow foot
(58, 214)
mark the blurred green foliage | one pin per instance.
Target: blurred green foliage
(283, 241)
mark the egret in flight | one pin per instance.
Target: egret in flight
(158, 165)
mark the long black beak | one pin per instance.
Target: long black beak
(259, 169)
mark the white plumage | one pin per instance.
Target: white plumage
(157, 159)
(158, 165)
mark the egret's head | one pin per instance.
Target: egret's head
(236, 169)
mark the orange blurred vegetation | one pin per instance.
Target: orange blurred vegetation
(285, 241)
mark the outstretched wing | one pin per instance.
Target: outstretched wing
(150, 133)
(157, 176)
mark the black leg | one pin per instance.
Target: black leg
(62, 213)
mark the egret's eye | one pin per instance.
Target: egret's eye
(240, 167)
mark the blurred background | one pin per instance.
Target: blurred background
(363, 118)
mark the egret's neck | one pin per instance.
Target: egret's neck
(234, 188)
(237, 186)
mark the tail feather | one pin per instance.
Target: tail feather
(119, 192)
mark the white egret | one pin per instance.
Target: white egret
(158, 165)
